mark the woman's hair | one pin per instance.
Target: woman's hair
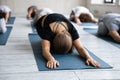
(62, 42)
(2, 14)
(34, 9)
(84, 17)
(33, 14)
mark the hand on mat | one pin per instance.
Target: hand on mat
(92, 62)
(52, 64)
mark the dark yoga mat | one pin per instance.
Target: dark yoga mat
(67, 61)
(106, 38)
(11, 20)
(33, 28)
(4, 37)
(88, 24)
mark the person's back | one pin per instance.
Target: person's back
(109, 24)
(78, 10)
(5, 8)
(109, 17)
(44, 11)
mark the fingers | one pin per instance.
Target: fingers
(52, 64)
(93, 63)
(96, 64)
(58, 63)
(87, 62)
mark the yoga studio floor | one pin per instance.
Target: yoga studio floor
(17, 61)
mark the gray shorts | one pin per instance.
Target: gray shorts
(102, 29)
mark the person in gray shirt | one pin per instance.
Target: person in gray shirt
(109, 24)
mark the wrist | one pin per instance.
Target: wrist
(88, 57)
(51, 59)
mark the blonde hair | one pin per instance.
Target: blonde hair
(62, 42)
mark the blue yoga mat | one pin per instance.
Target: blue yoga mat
(4, 37)
(88, 24)
(67, 61)
(33, 28)
(106, 38)
(11, 20)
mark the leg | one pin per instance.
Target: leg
(3, 28)
(102, 30)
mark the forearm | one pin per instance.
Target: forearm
(77, 20)
(46, 50)
(117, 38)
(29, 14)
(6, 17)
(115, 35)
(81, 50)
(47, 55)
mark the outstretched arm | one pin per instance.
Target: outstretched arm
(29, 14)
(77, 20)
(6, 16)
(83, 52)
(52, 63)
(115, 35)
(74, 18)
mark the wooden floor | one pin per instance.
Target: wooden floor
(17, 60)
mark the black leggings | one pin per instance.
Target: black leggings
(2, 15)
